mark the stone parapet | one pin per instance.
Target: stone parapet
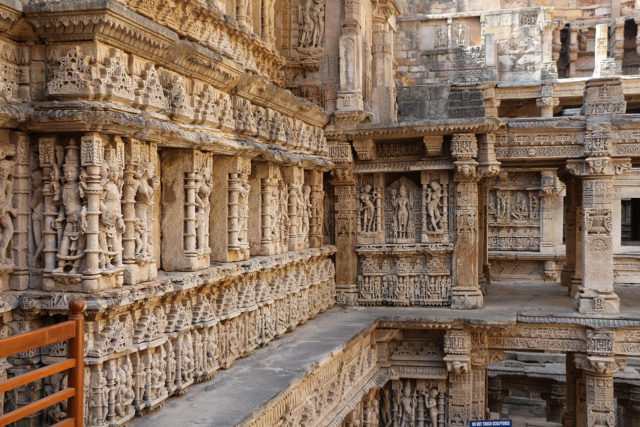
(155, 339)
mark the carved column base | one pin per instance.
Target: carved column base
(346, 294)
(590, 302)
(138, 273)
(466, 298)
(574, 286)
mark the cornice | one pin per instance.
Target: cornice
(114, 24)
(10, 12)
(260, 92)
(83, 116)
(420, 128)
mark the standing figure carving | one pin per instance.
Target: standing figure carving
(203, 190)
(37, 215)
(311, 22)
(306, 212)
(111, 222)
(72, 217)
(145, 185)
(434, 203)
(7, 212)
(243, 211)
(432, 405)
(401, 204)
(368, 197)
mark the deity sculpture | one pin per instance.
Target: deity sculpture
(111, 222)
(441, 34)
(7, 211)
(401, 205)
(434, 194)
(145, 185)
(408, 406)
(243, 210)
(460, 34)
(311, 22)
(72, 214)
(305, 213)
(37, 214)
(368, 197)
(432, 405)
(204, 185)
(520, 208)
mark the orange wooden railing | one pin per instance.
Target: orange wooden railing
(72, 330)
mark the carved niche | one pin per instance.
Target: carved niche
(402, 211)
(186, 191)
(408, 402)
(514, 213)
(8, 213)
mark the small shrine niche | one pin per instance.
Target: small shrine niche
(402, 206)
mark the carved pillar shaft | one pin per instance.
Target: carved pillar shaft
(21, 191)
(570, 414)
(269, 197)
(600, 399)
(229, 238)
(316, 214)
(466, 293)
(91, 159)
(570, 233)
(46, 147)
(344, 190)
(190, 213)
(576, 279)
(129, 216)
(597, 293)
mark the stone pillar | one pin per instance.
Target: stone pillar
(466, 293)
(576, 278)
(479, 363)
(46, 150)
(92, 157)
(186, 189)
(21, 192)
(230, 209)
(263, 205)
(313, 178)
(344, 190)
(457, 348)
(556, 402)
(350, 93)
(634, 407)
(552, 192)
(383, 86)
(570, 233)
(571, 400)
(549, 67)
(598, 366)
(603, 97)
(294, 177)
(601, 50)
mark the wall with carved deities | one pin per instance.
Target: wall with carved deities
(152, 164)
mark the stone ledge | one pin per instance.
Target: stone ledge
(167, 282)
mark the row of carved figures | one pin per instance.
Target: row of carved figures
(92, 210)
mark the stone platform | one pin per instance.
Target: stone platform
(245, 392)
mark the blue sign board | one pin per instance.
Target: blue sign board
(490, 423)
